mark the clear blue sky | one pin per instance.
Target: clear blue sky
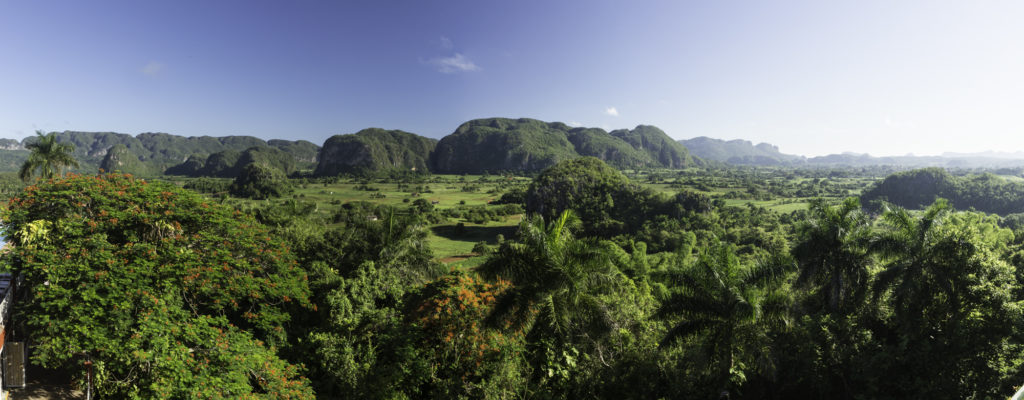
(813, 77)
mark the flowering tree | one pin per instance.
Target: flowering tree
(165, 294)
(464, 357)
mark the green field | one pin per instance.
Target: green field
(452, 241)
(449, 242)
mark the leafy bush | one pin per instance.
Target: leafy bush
(169, 295)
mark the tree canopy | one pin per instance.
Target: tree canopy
(167, 294)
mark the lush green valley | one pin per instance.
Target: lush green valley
(640, 273)
(583, 282)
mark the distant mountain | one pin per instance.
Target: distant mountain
(739, 152)
(527, 145)
(911, 161)
(119, 158)
(657, 145)
(374, 149)
(153, 153)
(743, 152)
(231, 163)
(1017, 155)
(489, 144)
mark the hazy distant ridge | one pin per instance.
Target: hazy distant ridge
(743, 152)
(739, 152)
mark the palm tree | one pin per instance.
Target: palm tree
(48, 157)
(556, 279)
(952, 307)
(832, 253)
(913, 253)
(729, 308)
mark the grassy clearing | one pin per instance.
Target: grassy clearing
(449, 242)
(452, 241)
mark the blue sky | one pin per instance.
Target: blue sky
(813, 77)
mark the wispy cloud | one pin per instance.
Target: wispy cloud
(446, 43)
(574, 124)
(153, 69)
(612, 111)
(450, 61)
(453, 64)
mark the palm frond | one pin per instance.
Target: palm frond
(684, 330)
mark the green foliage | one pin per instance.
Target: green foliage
(950, 296)
(579, 313)
(168, 295)
(361, 273)
(516, 195)
(259, 182)
(48, 156)
(832, 253)
(919, 188)
(286, 213)
(208, 185)
(675, 284)
(730, 309)
(595, 191)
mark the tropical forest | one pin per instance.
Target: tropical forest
(554, 263)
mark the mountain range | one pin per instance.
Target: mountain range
(482, 145)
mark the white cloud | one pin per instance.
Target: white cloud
(574, 124)
(453, 64)
(153, 68)
(611, 111)
(446, 43)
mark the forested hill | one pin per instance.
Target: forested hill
(152, 153)
(374, 149)
(527, 145)
(919, 188)
(739, 152)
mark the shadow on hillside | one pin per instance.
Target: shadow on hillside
(487, 234)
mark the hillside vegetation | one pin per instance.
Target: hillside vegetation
(374, 149)
(918, 188)
(153, 153)
(529, 145)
